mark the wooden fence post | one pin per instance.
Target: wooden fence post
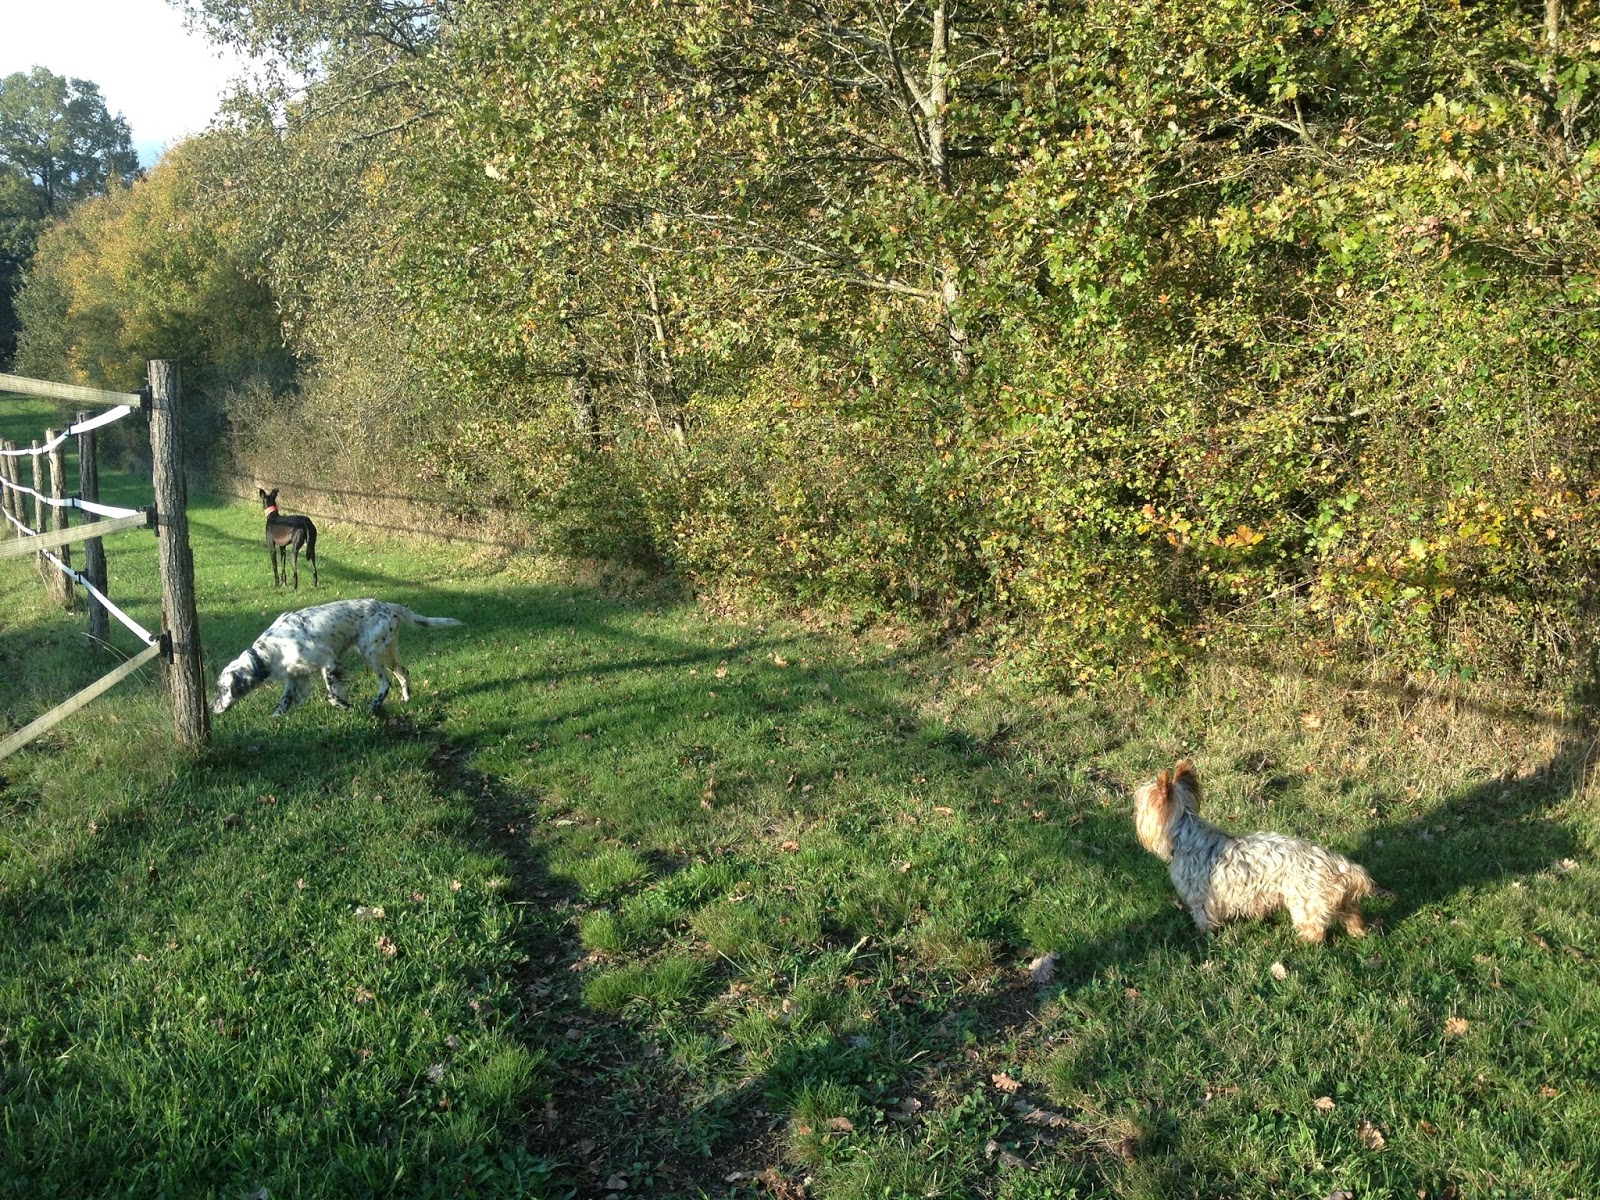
(94, 550)
(190, 719)
(13, 501)
(60, 583)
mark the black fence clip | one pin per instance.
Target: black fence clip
(150, 521)
(165, 641)
(144, 401)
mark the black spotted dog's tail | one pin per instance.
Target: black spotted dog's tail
(411, 618)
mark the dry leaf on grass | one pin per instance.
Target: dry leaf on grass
(1455, 1027)
(1279, 971)
(1323, 1104)
(1370, 1136)
(993, 1149)
(1042, 1116)
(387, 946)
(1043, 968)
(840, 1125)
(366, 912)
(1005, 1083)
(616, 1184)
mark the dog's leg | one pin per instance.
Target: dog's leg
(1353, 923)
(338, 689)
(296, 564)
(293, 693)
(383, 687)
(1310, 920)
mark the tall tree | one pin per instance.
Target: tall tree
(59, 133)
(57, 144)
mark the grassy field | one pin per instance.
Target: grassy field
(633, 899)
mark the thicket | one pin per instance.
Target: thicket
(1114, 329)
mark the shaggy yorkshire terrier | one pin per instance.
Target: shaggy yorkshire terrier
(1223, 878)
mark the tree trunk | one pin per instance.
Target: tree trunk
(672, 419)
(936, 115)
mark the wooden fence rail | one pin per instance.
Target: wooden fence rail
(66, 391)
(143, 519)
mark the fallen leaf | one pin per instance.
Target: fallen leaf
(364, 995)
(1548, 1092)
(1455, 1027)
(1041, 1116)
(1370, 1136)
(1310, 721)
(387, 946)
(779, 660)
(369, 912)
(1005, 1083)
(616, 1184)
(1043, 968)
(1279, 971)
(1323, 1104)
(1568, 864)
(722, 672)
(943, 811)
(840, 1125)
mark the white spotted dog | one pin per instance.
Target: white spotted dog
(299, 644)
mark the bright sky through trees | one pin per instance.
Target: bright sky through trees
(163, 79)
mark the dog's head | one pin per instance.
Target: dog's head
(238, 679)
(1159, 804)
(268, 499)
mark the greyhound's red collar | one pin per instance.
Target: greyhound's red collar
(272, 510)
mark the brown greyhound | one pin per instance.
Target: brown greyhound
(284, 534)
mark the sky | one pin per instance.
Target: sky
(166, 82)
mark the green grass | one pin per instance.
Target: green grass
(672, 900)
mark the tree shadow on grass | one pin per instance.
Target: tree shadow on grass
(1482, 833)
(635, 1099)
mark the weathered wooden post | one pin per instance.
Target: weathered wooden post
(191, 722)
(94, 550)
(13, 500)
(60, 582)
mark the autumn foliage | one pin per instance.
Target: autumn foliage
(1108, 329)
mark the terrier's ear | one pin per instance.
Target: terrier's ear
(1161, 793)
(1183, 775)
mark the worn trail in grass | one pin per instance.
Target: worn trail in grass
(631, 899)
